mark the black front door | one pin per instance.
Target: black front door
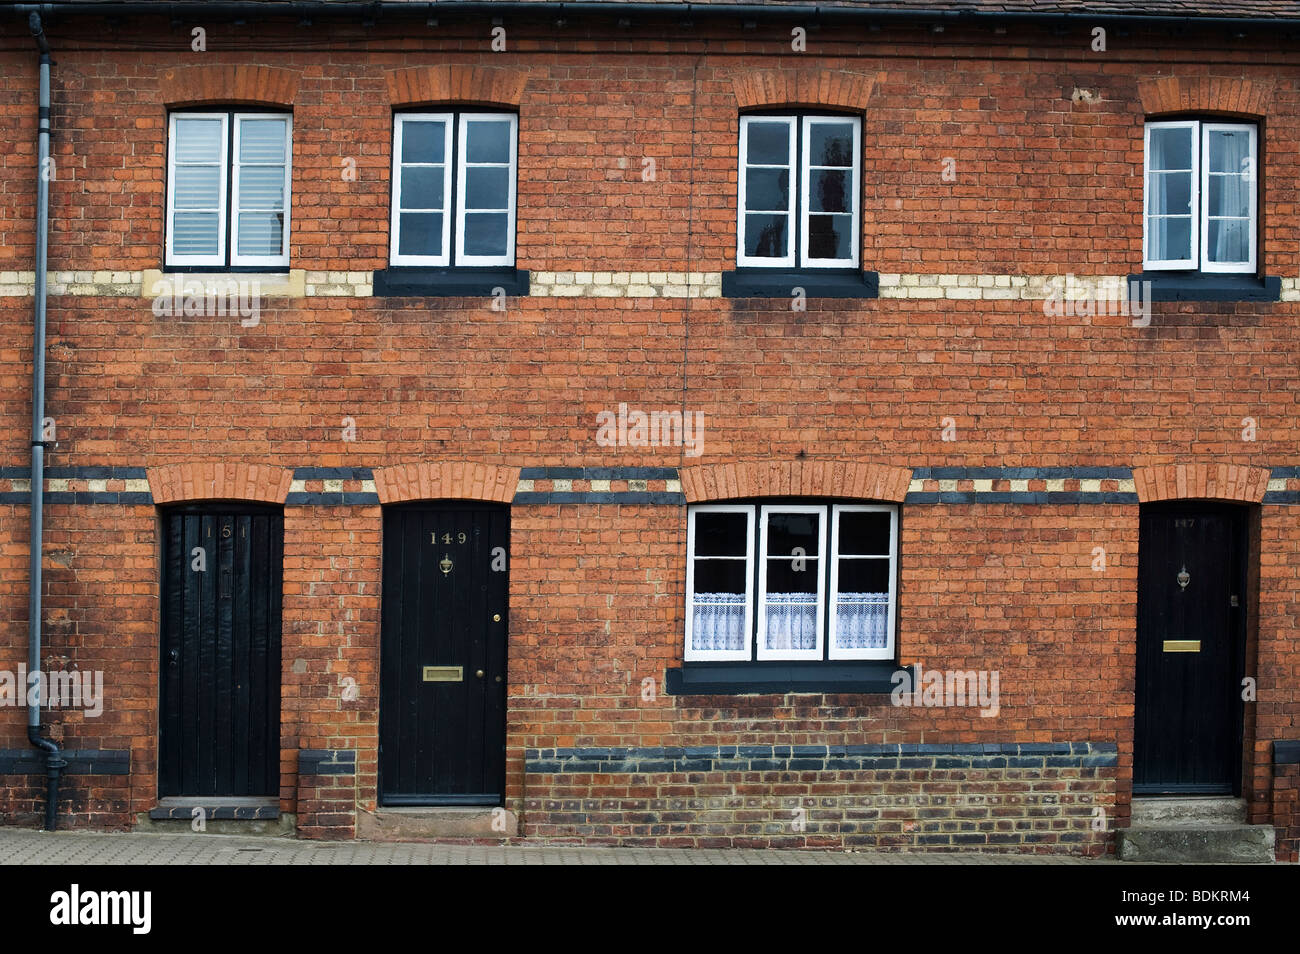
(443, 655)
(219, 731)
(1190, 646)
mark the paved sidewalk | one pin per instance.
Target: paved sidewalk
(27, 847)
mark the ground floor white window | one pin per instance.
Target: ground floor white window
(791, 581)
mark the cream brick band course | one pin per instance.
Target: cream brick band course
(299, 283)
(626, 284)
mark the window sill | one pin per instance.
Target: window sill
(406, 281)
(1207, 286)
(781, 283)
(742, 678)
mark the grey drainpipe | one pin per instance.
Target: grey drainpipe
(54, 761)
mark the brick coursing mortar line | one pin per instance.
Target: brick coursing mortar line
(1278, 485)
(299, 283)
(761, 758)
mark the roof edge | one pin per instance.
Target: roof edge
(784, 11)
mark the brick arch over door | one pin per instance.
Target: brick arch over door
(230, 85)
(1203, 481)
(481, 85)
(841, 89)
(799, 478)
(446, 480)
(214, 480)
(1203, 94)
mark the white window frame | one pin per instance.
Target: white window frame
(1200, 217)
(805, 184)
(1253, 181)
(1164, 264)
(887, 652)
(765, 511)
(281, 260)
(827, 592)
(448, 157)
(219, 258)
(801, 178)
(455, 131)
(787, 260)
(462, 165)
(720, 654)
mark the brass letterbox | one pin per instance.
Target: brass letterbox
(443, 673)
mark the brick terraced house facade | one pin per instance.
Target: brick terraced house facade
(734, 425)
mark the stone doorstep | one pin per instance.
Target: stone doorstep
(1194, 829)
(222, 816)
(1192, 811)
(1204, 844)
(227, 809)
(398, 824)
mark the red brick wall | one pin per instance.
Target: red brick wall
(1044, 185)
(1286, 812)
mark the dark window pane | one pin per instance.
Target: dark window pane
(419, 233)
(1169, 193)
(1229, 240)
(487, 141)
(786, 576)
(423, 142)
(864, 576)
(765, 236)
(1230, 196)
(828, 191)
(422, 187)
(785, 531)
(721, 534)
(769, 144)
(487, 187)
(864, 533)
(485, 233)
(1229, 151)
(830, 144)
(829, 236)
(1169, 239)
(1170, 149)
(719, 576)
(767, 190)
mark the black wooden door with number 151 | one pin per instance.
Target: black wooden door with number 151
(443, 655)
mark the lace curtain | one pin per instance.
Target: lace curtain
(791, 621)
(862, 621)
(718, 621)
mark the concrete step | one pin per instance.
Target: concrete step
(1225, 844)
(397, 824)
